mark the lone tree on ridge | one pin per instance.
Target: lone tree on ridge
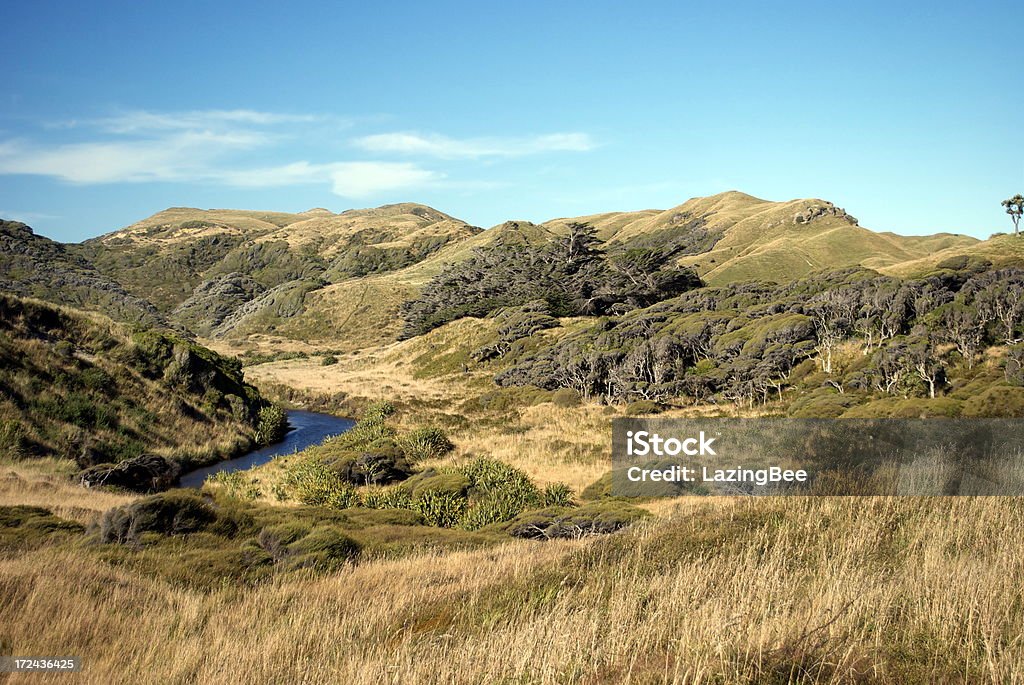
(1015, 208)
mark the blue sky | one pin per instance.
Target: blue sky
(909, 115)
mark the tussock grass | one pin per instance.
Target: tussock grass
(756, 590)
(48, 483)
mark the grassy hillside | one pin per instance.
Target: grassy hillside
(338, 279)
(168, 255)
(726, 238)
(85, 389)
(999, 250)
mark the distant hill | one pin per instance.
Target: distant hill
(339, 279)
(216, 270)
(1000, 250)
(734, 237)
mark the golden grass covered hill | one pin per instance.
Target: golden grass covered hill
(218, 270)
(339, 279)
(753, 239)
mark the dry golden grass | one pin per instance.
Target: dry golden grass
(710, 590)
(48, 483)
(810, 590)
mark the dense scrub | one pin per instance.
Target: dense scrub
(839, 339)
(572, 275)
(374, 466)
(34, 266)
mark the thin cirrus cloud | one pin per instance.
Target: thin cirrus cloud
(348, 179)
(139, 146)
(182, 156)
(443, 147)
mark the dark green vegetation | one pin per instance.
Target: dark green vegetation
(375, 467)
(850, 343)
(568, 276)
(93, 391)
(204, 541)
(23, 528)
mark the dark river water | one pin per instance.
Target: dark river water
(308, 428)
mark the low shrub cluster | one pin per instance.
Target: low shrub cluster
(573, 523)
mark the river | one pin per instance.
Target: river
(308, 428)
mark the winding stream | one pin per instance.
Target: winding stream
(308, 428)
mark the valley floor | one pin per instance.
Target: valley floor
(718, 590)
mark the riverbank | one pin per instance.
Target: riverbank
(307, 429)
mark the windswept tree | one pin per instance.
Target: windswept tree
(833, 313)
(961, 325)
(923, 360)
(571, 273)
(1015, 208)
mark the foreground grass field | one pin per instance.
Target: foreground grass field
(709, 590)
(767, 590)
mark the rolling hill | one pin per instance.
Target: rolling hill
(338, 279)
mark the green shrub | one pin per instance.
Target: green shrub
(557, 495)
(426, 443)
(443, 509)
(272, 425)
(313, 482)
(296, 544)
(565, 397)
(388, 498)
(370, 429)
(453, 482)
(378, 411)
(490, 475)
(169, 513)
(323, 549)
(644, 407)
(329, 360)
(376, 464)
(498, 492)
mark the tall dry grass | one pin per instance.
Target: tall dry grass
(48, 483)
(757, 590)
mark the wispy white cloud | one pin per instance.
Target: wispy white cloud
(141, 121)
(178, 157)
(218, 146)
(347, 179)
(443, 147)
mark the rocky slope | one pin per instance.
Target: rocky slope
(34, 266)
